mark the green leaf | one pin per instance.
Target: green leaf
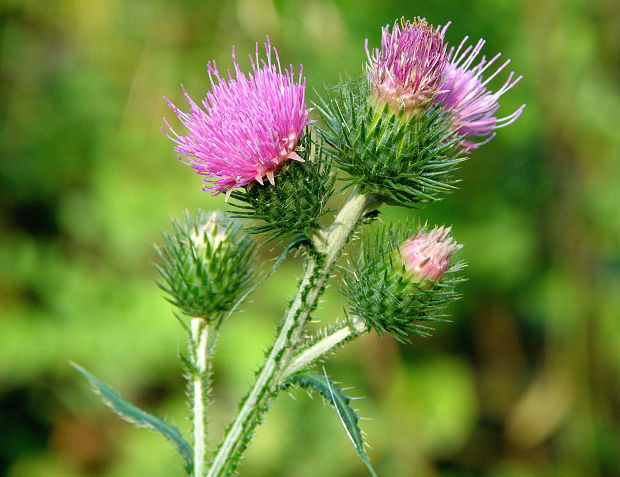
(341, 402)
(138, 417)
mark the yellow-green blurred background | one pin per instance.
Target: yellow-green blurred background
(524, 382)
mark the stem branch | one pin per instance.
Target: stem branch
(324, 346)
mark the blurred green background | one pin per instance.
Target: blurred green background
(524, 382)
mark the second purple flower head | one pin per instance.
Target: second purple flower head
(413, 69)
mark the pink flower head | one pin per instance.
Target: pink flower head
(407, 70)
(427, 255)
(465, 95)
(248, 125)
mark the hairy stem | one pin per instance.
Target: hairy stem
(336, 239)
(355, 328)
(200, 388)
(318, 267)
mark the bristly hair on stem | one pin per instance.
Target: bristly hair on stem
(200, 391)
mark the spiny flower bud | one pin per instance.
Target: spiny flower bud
(427, 255)
(206, 264)
(399, 289)
(407, 70)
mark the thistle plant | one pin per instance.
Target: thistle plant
(397, 134)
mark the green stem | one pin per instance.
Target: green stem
(200, 389)
(353, 328)
(269, 378)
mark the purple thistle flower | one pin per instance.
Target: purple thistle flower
(465, 95)
(248, 126)
(407, 70)
(427, 255)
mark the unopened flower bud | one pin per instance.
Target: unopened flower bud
(427, 255)
(401, 289)
(206, 264)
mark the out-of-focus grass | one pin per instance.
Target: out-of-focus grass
(522, 383)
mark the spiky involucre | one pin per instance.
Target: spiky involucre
(205, 269)
(405, 159)
(248, 125)
(295, 205)
(381, 291)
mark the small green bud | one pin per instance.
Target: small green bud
(394, 292)
(206, 264)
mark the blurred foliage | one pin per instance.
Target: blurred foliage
(524, 382)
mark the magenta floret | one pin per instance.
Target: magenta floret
(407, 70)
(247, 126)
(427, 255)
(465, 95)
